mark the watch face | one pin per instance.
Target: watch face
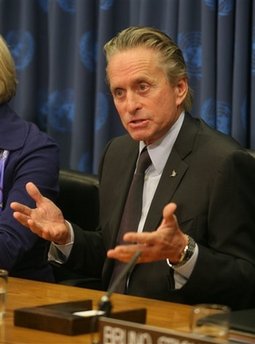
(187, 253)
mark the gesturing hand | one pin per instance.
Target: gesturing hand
(168, 241)
(46, 219)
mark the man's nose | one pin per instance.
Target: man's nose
(132, 102)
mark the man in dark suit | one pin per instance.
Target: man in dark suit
(202, 247)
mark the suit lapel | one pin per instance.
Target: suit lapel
(173, 173)
(171, 177)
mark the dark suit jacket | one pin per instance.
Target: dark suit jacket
(214, 192)
(33, 157)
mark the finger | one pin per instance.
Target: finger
(21, 208)
(125, 255)
(168, 214)
(122, 257)
(27, 222)
(139, 238)
(122, 251)
(34, 192)
(23, 219)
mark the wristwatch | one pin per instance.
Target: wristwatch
(186, 254)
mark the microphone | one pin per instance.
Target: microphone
(105, 304)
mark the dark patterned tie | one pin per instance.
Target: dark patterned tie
(132, 210)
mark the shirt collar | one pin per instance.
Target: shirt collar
(160, 150)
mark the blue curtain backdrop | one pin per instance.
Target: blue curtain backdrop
(57, 47)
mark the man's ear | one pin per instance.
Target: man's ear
(181, 90)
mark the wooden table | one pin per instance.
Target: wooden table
(25, 293)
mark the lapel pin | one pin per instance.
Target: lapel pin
(173, 174)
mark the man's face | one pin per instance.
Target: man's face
(146, 102)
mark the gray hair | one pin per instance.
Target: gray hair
(8, 81)
(171, 57)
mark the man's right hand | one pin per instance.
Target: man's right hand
(46, 219)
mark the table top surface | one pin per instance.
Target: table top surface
(26, 293)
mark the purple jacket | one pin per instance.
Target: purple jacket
(33, 156)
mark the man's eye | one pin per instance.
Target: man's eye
(143, 87)
(118, 93)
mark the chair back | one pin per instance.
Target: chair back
(79, 201)
(79, 198)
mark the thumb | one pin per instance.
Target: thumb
(34, 192)
(168, 214)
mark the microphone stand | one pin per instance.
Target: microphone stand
(105, 304)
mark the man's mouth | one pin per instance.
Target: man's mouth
(138, 123)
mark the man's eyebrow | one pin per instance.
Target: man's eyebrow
(114, 88)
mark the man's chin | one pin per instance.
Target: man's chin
(139, 138)
(139, 135)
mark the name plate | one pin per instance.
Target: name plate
(113, 331)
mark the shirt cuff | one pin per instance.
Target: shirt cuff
(60, 253)
(182, 274)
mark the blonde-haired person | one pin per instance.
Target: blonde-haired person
(26, 154)
(8, 81)
(196, 229)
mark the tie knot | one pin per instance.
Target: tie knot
(144, 162)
